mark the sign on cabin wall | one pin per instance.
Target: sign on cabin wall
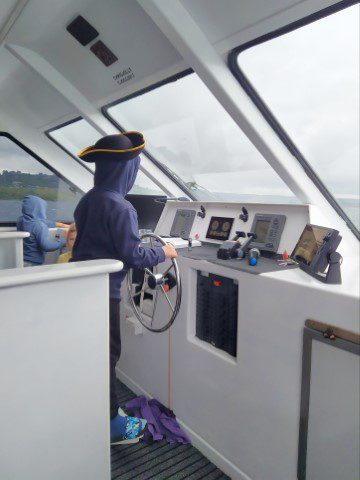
(124, 76)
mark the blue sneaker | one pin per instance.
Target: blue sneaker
(125, 430)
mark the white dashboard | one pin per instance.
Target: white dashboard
(297, 216)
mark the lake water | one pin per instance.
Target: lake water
(64, 210)
(10, 210)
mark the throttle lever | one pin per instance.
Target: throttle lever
(246, 245)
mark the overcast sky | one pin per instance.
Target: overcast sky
(15, 158)
(310, 80)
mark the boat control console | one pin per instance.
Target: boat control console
(219, 242)
(253, 237)
(222, 242)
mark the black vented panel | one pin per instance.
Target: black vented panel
(82, 30)
(216, 312)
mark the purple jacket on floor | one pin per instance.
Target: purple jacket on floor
(162, 423)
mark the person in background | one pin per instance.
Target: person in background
(34, 221)
(107, 227)
(70, 240)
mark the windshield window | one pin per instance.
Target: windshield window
(79, 134)
(309, 78)
(188, 130)
(21, 174)
(76, 136)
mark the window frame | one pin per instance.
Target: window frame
(65, 124)
(80, 162)
(270, 117)
(42, 162)
(104, 110)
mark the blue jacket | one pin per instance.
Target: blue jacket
(107, 225)
(33, 220)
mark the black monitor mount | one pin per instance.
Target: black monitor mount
(333, 273)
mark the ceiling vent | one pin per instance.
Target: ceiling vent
(82, 30)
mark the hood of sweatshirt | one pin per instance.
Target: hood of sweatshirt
(33, 209)
(116, 175)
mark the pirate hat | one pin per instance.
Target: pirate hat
(122, 146)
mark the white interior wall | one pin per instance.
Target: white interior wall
(242, 413)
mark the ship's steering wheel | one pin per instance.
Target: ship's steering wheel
(153, 285)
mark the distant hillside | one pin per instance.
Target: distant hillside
(15, 185)
(20, 179)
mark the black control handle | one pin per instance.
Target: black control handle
(238, 235)
(246, 245)
(202, 213)
(245, 215)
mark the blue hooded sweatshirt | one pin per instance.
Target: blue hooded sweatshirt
(33, 220)
(107, 224)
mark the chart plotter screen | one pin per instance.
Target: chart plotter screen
(309, 243)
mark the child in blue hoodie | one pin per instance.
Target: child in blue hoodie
(107, 227)
(33, 220)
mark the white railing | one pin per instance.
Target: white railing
(54, 361)
(11, 249)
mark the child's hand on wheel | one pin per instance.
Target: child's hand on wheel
(169, 251)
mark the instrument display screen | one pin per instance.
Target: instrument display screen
(309, 243)
(219, 228)
(268, 228)
(182, 223)
(261, 230)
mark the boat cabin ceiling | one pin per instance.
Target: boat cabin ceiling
(48, 78)
(251, 157)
